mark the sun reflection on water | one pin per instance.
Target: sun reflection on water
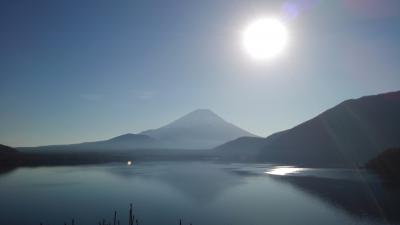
(284, 170)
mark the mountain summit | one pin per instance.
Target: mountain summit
(201, 128)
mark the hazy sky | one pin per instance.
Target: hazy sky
(75, 71)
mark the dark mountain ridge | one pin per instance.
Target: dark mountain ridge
(348, 134)
(7, 150)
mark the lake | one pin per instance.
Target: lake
(201, 193)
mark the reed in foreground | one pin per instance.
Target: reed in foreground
(133, 220)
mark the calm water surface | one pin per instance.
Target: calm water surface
(162, 192)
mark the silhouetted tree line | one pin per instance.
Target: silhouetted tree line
(387, 165)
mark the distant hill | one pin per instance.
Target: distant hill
(122, 142)
(350, 133)
(125, 141)
(199, 129)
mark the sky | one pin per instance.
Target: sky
(84, 70)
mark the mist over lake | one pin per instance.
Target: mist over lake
(199, 192)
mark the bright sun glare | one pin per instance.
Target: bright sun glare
(265, 38)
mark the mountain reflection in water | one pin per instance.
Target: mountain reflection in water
(199, 192)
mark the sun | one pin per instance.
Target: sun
(265, 38)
